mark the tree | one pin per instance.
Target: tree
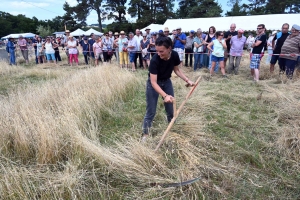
(82, 10)
(205, 8)
(257, 7)
(44, 31)
(282, 6)
(237, 9)
(116, 9)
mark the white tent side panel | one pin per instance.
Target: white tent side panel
(153, 27)
(88, 32)
(272, 22)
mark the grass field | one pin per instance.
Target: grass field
(74, 133)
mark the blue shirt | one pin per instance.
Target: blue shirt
(11, 46)
(178, 43)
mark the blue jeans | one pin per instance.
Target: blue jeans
(217, 64)
(198, 60)
(152, 98)
(12, 57)
(290, 66)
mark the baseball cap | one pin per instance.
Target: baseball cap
(297, 27)
(178, 28)
(192, 31)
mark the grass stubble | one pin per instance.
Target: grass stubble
(73, 133)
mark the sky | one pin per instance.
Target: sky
(48, 9)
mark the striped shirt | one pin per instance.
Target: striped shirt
(291, 46)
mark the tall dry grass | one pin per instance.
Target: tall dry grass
(61, 139)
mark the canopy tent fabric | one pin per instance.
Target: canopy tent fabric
(58, 34)
(90, 31)
(16, 35)
(272, 22)
(153, 27)
(78, 32)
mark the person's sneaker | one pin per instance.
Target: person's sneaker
(144, 138)
(225, 76)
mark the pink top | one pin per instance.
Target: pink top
(237, 45)
(97, 46)
(22, 42)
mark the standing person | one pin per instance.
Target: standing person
(179, 42)
(85, 50)
(256, 53)
(279, 38)
(34, 41)
(148, 33)
(152, 49)
(159, 83)
(73, 52)
(249, 42)
(22, 43)
(166, 31)
(123, 54)
(91, 42)
(116, 47)
(11, 50)
(189, 49)
(270, 48)
(237, 44)
(218, 52)
(228, 35)
(138, 52)
(204, 56)
(65, 41)
(56, 49)
(198, 50)
(49, 46)
(40, 52)
(107, 46)
(132, 49)
(289, 51)
(97, 49)
(208, 39)
(174, 33)
(144, 47)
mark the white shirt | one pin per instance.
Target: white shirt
(49, 48)
(138, 39)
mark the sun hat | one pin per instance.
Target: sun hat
(297, 27)
(116, 33)
(178, 28)
(148, 28)
(166, 29)
(122, 32)
(67, 31)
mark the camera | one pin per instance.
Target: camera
(176, 37)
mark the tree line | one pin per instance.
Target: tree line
(144, 12)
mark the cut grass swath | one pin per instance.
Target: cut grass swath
(176, 113)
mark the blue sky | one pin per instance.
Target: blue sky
(48, 9)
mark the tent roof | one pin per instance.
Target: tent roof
(272, 22)
(154, 27)
(16, 35)
(78, 32)
(59, 33)
(91, 30)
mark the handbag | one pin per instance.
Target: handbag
(124, 49)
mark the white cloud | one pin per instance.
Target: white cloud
(72, 2)
(24, 5)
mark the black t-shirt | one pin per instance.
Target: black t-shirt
(258, 49)
(163, 68)
(34, 41)
(279, 43)
(228, 41)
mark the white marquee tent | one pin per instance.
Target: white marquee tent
(154, 27)
(272, 22)
(88, 32)
(78, 32)
(16, 35)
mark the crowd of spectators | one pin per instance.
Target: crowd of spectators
(196, 49)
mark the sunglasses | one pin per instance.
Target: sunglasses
(259, 28)
(106, 35)
(122, 34)
(222, 35)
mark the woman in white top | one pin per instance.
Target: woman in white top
(49, 46)
(73, 52)
(218, 52)
(270, 49)
(107, 46)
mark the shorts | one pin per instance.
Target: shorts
(131, 57)
(50, 56)
(216, 59)
(274, 59)
(98, 56)
(180, 53)
(255, 61)
(226, 53)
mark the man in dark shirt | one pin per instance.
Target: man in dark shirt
(256, 54)
(34, 41)
(280, 37)
(228, 35)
